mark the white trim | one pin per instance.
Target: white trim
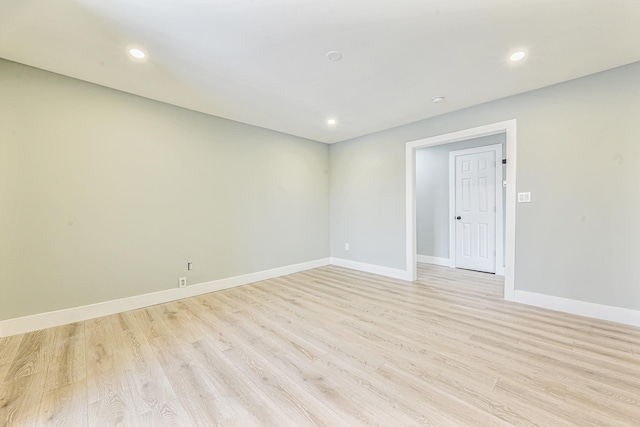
(76, 314)
(499, 225)
(410, 211)
(370, 268)
(433, 260)
(510, 218)
(581, 308)
(509, 128)
(452, 210)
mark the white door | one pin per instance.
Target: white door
(475, 209)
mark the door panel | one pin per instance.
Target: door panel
(466, 239)
(466, 195)
(475, 204)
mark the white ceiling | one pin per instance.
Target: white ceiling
(263, 61)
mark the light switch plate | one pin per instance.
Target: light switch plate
(524, 197)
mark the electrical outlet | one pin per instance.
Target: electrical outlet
(346, 246)
(183, 282)
(189, 266)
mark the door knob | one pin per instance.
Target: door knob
(458, 217)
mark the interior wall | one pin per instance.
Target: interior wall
(578, 155)
(432, 193)
(106, 195)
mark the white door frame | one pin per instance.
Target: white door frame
(497, 149)
(509, 129)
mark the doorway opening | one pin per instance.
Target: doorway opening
(508, 128)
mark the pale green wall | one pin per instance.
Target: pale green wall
(105, 195)
(579, 156)
(432, 193)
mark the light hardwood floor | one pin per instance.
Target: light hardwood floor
(331, 347)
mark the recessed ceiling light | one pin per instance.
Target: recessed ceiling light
(437, 99)
(517, 56)
(137, 53)
(334, 56)
(331, 122)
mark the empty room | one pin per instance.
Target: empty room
(336, 213)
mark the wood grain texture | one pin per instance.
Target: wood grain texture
(329, 347)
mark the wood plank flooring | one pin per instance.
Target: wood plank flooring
(332, 347)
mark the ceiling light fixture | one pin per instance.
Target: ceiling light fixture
(331, 122)
(437, 99)
(334, 56)
(137, 53)
(517, 56)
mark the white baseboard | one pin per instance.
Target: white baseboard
(582, 308)
(61, 317)
(433, 260)
(371, 268)
(76, 314)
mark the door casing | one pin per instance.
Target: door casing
(508, 127)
